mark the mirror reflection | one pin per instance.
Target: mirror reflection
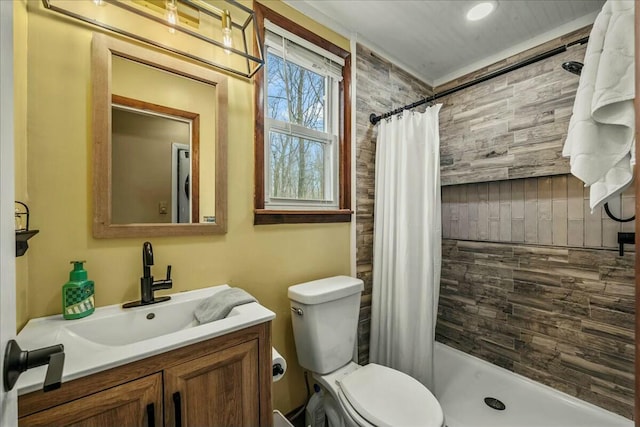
(161, 139)
(155, 114)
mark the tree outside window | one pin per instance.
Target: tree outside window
(296, 95)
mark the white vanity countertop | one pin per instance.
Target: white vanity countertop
(84, 356)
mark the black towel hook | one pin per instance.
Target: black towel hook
(606, 209)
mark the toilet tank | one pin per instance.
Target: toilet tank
(325, 321)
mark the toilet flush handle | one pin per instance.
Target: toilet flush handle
(297, 311)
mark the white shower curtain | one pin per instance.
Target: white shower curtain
(407, 244)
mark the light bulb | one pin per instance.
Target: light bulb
(226, 31)
(172, 14)
(226, 39)
(98, 2)
(480, 10)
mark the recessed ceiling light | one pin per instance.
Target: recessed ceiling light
(481, 10)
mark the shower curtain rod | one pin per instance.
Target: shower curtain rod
(374, 119)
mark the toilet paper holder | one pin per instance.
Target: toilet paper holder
(277, 369)
(278, 365)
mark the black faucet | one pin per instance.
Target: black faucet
(147, 285)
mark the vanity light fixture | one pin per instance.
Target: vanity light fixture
(480, 10)
(210, 37)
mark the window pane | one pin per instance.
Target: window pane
(295, 94)
(297, 167)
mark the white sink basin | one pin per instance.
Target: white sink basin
(115, 326)
(113, 336)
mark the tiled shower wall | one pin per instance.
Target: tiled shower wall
(540, 211)
(562, 316)
(530, 279)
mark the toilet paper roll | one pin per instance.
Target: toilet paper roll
(278, 363)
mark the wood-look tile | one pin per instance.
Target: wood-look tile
(592, 227)
(610, 230)
(463, 212)
(494, 200)
(517, 199)
(565, 311)
(575, 198)
(531, 210)
(545, 226)
(608, 331)
(613, 391)
(597, 370)
(544, 199)
(483, 221)
(560, 224)
(575, 232)
(559, 210)
(593, 342)
(517, 230)
(544, 377)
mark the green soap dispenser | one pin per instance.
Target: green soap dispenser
(77, 293)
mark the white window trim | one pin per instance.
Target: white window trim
(270, 26)
(330, 138)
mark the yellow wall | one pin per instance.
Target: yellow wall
(20, 123)
(263, 260)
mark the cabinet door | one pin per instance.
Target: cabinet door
(216, 390)
(134, 404)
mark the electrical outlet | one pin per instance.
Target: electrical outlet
(162, 207)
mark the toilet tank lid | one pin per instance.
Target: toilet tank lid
(323, 290)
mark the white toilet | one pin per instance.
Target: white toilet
(325, 320)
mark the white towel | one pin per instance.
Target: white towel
(601, 136)
(219, 305)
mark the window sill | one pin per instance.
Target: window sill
(264, 216)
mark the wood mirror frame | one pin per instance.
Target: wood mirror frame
(103, 48)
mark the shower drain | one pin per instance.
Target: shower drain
(494, 403)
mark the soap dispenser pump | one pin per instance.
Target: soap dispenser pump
(77, 293)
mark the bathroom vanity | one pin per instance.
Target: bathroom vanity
(217, 374)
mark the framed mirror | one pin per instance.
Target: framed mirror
(159, 143)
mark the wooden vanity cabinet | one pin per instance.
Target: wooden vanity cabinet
(225, 381)
(136, 403)
(214, 390)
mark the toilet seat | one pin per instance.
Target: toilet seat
(352, 413)
(385, 397)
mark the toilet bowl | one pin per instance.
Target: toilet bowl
(324, 318)
(377, 396)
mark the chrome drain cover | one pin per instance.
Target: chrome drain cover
(494, 403)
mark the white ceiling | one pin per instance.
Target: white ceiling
(433, 40)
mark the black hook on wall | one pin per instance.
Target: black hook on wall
(606, 209)
(22, 230)
(623, 238)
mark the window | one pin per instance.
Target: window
(302, 143)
